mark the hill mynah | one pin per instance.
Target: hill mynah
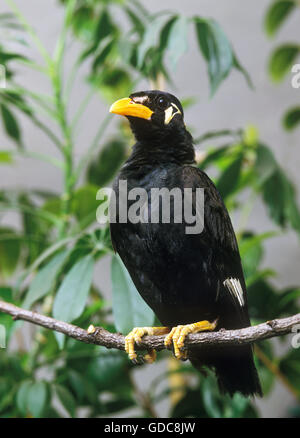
(192, 281)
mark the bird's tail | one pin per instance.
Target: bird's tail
(235, 370)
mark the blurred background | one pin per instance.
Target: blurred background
(66, 62)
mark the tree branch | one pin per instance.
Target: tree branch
(249, 335)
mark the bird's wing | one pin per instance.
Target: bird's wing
(218, 232)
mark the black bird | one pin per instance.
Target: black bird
(192, 281)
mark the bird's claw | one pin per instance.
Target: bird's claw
(135, 337)
(178, 334)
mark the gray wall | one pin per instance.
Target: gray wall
(234, 106)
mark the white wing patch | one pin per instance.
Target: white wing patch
(236, 290)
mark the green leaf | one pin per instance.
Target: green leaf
(53, 205)
(213, 156)
(177, 41)
(10, 249)
(275, 193)
(288, 302)
(210, 402)
(22, 395)
(84, 202)
(83, 22)
(71, 297)
(291, 119)
(32, 398)
(77, 384)
(266, 302)
(9, 326)
(281, 61)
(104, 370)
(230, 177)
(165, 32)
(60, 339)
(241, 69)
(6, 294)
(278, 192)
(267, 377)
(262, 300)
(66, 398)
(104, 53)
(279, 196)
(129, 309)
(102, 170)
(10, 123)
(150, 38)
(137, 23)
(251, 251)
(265, 164)
(44, 280)
(35, 229)
(6, 56)
(276, 14)
(216, 49)
(292, 209)
(17, 100)
(113, 82)
(37, 399)
(104, 27)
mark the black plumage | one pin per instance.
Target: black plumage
(183, 277)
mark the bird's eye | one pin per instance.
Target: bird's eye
(162, 102)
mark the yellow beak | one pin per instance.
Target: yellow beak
(127, 107)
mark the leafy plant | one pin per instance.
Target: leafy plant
(48, 263)
(283, 57)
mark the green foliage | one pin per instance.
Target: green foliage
(10, 124)
(278, 192)
(10, 249)
(291, 119)
(49, 262)
(103, 169)
(177, 41)
(125, 296)
(227, 181)
(276, 14)
(71, 297)
(282, 60)
(213, 405)
(32, 398)
(43, 282)
(283, 56)
(216, 49)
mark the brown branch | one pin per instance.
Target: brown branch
(269, 329)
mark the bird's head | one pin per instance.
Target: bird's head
(152, 114)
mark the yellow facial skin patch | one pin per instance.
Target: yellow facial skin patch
(170, 113)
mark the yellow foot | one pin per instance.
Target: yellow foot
(135, 336)
(178, 334)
